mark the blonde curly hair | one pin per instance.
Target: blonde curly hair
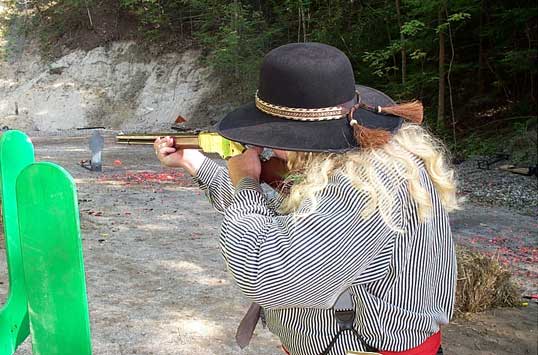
(378, 171)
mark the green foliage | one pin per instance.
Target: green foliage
(412, 28)
(478, 145)
(520, 61)
(379, 60)
(458, 17)
(151, 15)
(235, 39)
(523, 144)
(519, 141)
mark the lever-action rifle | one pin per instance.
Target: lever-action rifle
(208, 142)
(274, 170)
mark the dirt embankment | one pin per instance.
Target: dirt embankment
(119, 86)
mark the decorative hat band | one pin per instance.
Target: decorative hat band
(411, 111)
(305, 114)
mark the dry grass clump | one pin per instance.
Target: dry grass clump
(482, 283)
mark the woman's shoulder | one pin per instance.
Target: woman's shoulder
(338, 194)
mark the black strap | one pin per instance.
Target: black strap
(344, 313)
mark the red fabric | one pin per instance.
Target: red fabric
(429, 347)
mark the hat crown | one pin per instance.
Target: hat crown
(306, 75)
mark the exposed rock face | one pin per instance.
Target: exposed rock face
(118, 87)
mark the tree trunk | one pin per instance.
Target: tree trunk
(402, 38)
(387, 22)
(299, 24)
(441, 102)
(481, 52)
(394, 62)
(449, 82)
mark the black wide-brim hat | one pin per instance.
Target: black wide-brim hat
(305, 92)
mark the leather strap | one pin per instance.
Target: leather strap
(247, 325)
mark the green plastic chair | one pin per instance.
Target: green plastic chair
(16, 152)
(52, 258)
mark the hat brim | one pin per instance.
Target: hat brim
(248, 125)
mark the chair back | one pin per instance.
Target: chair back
(16, 153)
(52, 260)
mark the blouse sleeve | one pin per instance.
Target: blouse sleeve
(214, 180)
(301, 259)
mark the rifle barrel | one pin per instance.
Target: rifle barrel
(182, 141)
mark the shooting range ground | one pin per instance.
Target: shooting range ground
(157, 283)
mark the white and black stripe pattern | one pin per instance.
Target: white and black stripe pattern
(295, 267)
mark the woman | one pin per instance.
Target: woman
(357, 255)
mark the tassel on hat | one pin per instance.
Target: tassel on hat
(373, 138)
(411, 111)
(370, 138)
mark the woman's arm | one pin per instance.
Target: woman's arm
(211, 177)
(214, 180)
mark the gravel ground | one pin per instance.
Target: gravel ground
(157, 283)
(499, 188)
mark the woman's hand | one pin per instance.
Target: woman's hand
(245, 165)
(168, 155)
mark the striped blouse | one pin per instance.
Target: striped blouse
(295, 267)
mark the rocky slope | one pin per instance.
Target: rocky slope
(120, 86)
